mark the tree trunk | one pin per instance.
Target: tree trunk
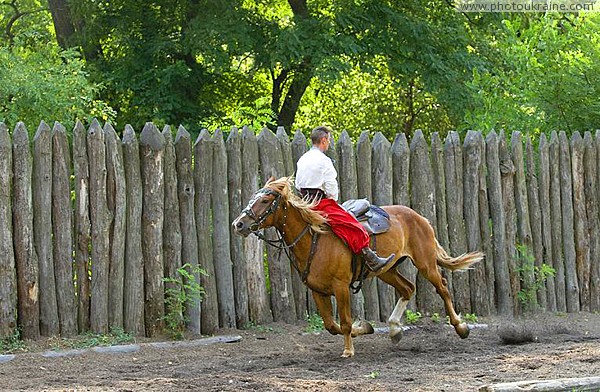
(63, 22)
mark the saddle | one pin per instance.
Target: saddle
(373, 218)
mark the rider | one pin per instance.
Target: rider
(316, 178)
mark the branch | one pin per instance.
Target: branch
(18, 15)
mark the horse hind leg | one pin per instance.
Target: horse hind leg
(428, 268)
(405, 289)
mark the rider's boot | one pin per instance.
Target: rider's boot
(374, 262)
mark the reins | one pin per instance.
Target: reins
(280, 243)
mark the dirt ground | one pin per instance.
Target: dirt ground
(277, 357)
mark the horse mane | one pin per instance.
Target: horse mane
(285, 186)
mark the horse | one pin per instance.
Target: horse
(325, 262)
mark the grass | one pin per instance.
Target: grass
(14, 344)
(115, 337)
(315, 323)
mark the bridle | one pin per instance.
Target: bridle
(280, 242)
(259, 220)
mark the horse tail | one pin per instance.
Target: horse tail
(464, 261)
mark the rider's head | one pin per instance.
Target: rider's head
(320, 137)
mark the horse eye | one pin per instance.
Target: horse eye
(264, 201)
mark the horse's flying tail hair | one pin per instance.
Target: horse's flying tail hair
(285, 186)
(464, 261)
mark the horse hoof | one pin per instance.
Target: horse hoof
(367, 328)
(347, 354)
(396, 335)
(462, 330)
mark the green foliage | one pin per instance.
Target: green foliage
(256, 117)
(315, 323)
(12, 344)
(436, 318)
(545, 77)
(412, 317)
(47, 84)
(533, 278)
(470, 318)
(179, 291)
(116, 336)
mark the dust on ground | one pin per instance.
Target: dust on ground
(281, 357)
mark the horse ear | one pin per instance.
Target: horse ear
(271, 179)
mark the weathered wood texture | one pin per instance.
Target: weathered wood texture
(117, 206)
(453, 169)
(42, 229)
(203, 152)
(146, 205)
(221, 224)
(62, 231)
(566, 197)
(473, 161)
(507, 175)
(100, 221)
(26, 262)
(238, 257)
(8, 277)
(504, 301)
(546, 222)
(556, 223)
(152, 156)
(258, 300)
(133, 295)
(582, 240)
(171, 231)
(82, 225)
(535, 215)
(189, 238)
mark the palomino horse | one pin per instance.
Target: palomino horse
(326, 265)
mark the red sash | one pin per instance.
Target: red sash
(344, 225)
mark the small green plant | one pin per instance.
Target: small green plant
(436, 318)
(533, 277)
(374, 374)
(412, 317)
(470, 317)
(315, 323)
(12, 344)
(116, 336)
(179, 291)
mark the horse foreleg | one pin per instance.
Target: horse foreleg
(342, 296)
(325, 309)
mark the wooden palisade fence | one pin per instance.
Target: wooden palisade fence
(89, 230)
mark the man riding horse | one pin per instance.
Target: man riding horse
(316, 179)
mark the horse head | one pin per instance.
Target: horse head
(262, 208)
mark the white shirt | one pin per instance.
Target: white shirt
(315, 170)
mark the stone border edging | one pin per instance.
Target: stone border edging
(130, 348)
